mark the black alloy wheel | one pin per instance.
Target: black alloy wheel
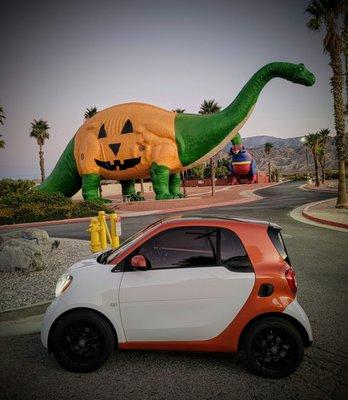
(273, 348)
(82, 341)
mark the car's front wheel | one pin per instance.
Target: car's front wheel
(273, 348)
(82, 341)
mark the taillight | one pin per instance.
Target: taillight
(291, 279)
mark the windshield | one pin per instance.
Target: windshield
(109, 255)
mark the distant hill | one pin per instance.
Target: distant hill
(254, 142)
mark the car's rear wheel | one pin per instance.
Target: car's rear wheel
(273, 348)
(82, 341)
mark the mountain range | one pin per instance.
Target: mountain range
(254, 142)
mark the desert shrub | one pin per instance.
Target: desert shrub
(15, 186)
(295, 177)
(221, 171)
(196, 172)
(87, 208)
(6, 216)
(331, 174)
(35, 206)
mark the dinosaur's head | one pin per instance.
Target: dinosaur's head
(302, 76)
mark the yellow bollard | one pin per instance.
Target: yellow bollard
(102, 231)
(115, 240)
(94, 230)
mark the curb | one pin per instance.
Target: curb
(306, 214)
(249, 194)
(15, 314)
(303, 187)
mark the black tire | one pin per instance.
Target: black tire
(273, 348)
(82, 341)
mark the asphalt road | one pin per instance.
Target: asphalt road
(319, 256)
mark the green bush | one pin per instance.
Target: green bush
(331, 174)
(196, 172)
(12, 186)
(35, 206)
(221, 171)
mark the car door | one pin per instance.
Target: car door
(190, 292)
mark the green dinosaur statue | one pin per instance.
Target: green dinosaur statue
(134, 140)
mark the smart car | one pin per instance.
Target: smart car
(189, 283)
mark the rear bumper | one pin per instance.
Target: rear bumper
(296, 311)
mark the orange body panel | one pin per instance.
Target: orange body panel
(269, 267)
(152, 139)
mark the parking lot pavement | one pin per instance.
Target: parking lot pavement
(319, 256)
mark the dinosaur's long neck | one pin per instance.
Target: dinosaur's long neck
(201, 136)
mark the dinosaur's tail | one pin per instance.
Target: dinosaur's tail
(65, 177)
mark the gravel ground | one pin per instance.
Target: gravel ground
(19, 289)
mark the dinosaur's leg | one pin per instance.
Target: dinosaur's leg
(174, 185)
(90, 188)
(128, 189)
(160, 181)
(234, 179)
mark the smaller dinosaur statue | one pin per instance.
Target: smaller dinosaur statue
(243, 166)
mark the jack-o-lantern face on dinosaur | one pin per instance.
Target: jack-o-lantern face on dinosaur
(116, 164)
(123, 142)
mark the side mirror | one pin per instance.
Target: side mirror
(139, 262)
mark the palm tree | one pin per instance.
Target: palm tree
(39, 131)
(326, 13)
(345, 52)
(179, 110)
(2, 117)
(313, 140)
(268, 146)
(321, 151)
(210, 107)
(90, 112)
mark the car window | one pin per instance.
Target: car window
(277, 240)
(181, 247)
(232, 253)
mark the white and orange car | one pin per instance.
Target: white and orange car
(191, 283)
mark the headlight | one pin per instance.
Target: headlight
(63, 283)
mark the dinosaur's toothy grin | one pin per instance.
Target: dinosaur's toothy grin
(116, 165)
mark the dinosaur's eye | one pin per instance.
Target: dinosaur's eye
(102, 132)
(127, 128)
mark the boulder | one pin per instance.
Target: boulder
(35, 235)
(20, 254)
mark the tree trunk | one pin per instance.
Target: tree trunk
(317, 181)
(322, 171)
(269, 171)
(42, 163)
(337, 90)
(142, 187)
(183, 180)
(212, 166)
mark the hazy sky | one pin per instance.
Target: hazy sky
(59, 57)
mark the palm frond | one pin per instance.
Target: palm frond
(2, 116)
(209, 107)
(39, 130)
(90, 112)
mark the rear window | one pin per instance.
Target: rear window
(278, 242)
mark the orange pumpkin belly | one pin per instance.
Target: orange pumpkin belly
(122, 142)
